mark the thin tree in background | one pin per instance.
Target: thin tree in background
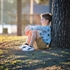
(31, 11)
(19, 17)
(61, 24)
(50, 6)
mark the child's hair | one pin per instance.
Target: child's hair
(47, 16)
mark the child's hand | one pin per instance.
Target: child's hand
(27, 29)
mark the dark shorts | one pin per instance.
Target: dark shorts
(41, 44)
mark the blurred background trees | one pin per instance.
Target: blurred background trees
(10, 13)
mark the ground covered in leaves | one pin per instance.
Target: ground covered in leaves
(13, 58)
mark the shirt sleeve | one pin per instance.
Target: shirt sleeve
(42, 28)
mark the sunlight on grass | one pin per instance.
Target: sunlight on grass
(8, 65)
(54, 54)
(23, 56)
(67, 63)
(64, 52)
(26, 63)
(10, 41)
(1, 52)
(54, 67)
(16, 61)
(30, 61)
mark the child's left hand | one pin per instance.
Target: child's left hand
(27, 29)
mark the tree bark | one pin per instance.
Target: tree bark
(61, 24)
(19, 17)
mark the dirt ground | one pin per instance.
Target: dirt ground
(13, 58)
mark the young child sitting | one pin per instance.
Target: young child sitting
(41, 32)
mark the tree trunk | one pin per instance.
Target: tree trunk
(61, 24)
(19, 17)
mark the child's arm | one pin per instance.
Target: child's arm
(42, 28)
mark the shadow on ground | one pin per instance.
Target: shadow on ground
(49, 59)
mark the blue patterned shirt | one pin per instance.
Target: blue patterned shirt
(44, 31)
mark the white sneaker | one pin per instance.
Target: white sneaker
(22, 46)
(28, 48)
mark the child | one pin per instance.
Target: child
(42, 32)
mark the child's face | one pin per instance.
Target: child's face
(44, 22)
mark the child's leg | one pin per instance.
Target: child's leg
(35, 35)
(29, 37)
(28, 33)
(30, 40)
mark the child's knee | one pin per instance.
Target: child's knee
(29, 32)
(34, 31)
